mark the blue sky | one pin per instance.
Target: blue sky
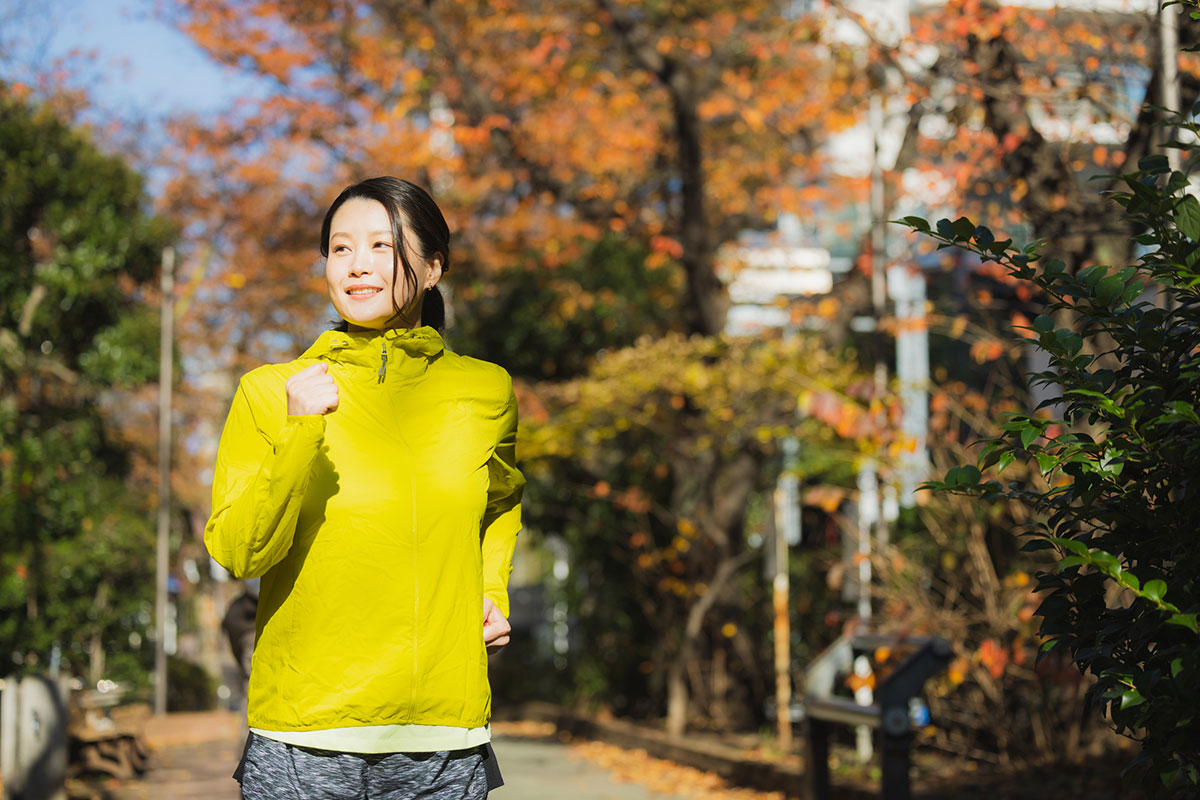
(143, 67)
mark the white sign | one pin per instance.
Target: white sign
(783, 257)
(764, 285)
(747, 320)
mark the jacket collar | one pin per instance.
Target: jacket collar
(364, 347)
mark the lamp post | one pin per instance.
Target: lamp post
(166, 364)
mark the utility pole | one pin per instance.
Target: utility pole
(878, 244)
(1168, 85)
(879, 84)
(787, 532)
(907, 288)
(166, 363)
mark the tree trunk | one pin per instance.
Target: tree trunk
(706, 298)
(677, 681)
(720, 688)
(677, 696)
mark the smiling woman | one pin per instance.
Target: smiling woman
(372, 484)
(377, 275)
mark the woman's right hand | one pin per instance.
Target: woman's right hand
(312, 391)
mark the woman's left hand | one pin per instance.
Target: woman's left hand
(495, 627)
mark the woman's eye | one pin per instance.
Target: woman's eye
(340, 248)
(383, 244)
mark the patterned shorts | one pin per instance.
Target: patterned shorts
(271, 770)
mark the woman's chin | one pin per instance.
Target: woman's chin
(362, 324)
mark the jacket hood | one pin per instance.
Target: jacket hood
(363, 347)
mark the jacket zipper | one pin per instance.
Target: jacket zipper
(412, 483)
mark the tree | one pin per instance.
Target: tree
(649, 465)
(76, 337)
(1121, 465)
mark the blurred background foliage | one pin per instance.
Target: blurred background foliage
(78, 332)
(542, 322)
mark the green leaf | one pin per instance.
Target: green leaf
(1154, 590)
(1176, 182)
(1090, 276)
(1005, 460)
(1073, 343)
(1043, 324)
(1070, 544)
(1155, 164)
(1105, 562)
(964, 476)
(1102, 400)
(1109, 289)
(1046, 461)
(916, 223)
(1072, 561)
(1127, 578)
(1028, 434)
(963, 229)
(1187, 217)
(1132, 698)
(1186, 620)
(1180, 410)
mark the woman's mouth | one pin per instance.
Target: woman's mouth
(363, 291)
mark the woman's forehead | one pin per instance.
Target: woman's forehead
(361, 214)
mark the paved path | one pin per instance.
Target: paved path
(194, 756)
(536, 769)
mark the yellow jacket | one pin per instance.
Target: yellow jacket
(377, 529)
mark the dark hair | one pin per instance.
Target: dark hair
(409, 204)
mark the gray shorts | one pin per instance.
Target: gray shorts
(271, 770)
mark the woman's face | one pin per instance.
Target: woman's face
(358, 270)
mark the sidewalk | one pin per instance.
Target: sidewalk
(541, 769)
(194, 756)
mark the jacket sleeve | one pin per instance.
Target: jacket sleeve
(502, 518)
(258, 486)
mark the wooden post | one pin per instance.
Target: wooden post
(166, 364)
(783, 630)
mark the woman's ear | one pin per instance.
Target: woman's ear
(433, 271)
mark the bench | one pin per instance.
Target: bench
(888, 715)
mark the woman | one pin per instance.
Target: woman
(372, 484)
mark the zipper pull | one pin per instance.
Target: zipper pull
(383, 363)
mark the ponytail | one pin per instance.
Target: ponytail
(433, 310)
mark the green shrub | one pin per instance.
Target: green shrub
(1122, 466)
(189, 686)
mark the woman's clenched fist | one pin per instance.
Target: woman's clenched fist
(312, 391)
